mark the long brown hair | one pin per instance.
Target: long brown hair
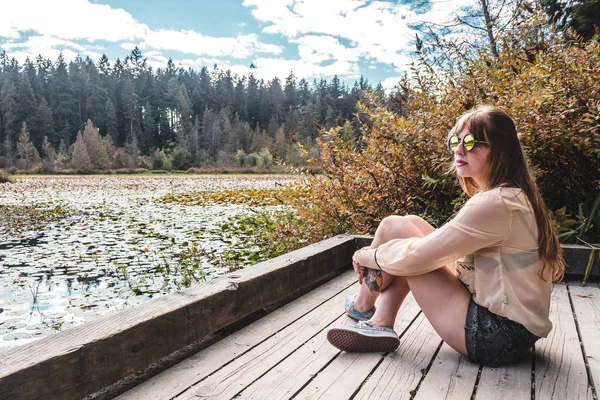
(507, 166)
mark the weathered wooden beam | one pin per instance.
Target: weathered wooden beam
(88, 358)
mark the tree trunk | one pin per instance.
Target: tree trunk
(489, 27)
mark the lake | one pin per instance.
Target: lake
(73, 248)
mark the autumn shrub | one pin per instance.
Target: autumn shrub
(548, 82)
(5, 178)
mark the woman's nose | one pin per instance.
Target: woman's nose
(460, 150)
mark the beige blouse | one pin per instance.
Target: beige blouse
(492, 243)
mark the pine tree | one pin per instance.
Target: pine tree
(253, 104)
(8, 106)
(291, 96)
(149, 128)
(110, 118)
(194, 145)
(30, 72)
(131, 111)
(62, 103)
(240, 104)
(182, 105)
(77, 77)
(44, 121)
(96, 94)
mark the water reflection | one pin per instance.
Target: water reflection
(114, 251)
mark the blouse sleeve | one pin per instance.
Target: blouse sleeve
(484, 221)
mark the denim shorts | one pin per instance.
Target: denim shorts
(493, 340)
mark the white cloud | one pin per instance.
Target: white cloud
(267, 68)
(92, 54)
(192, 42)
(61, 24)
(127, 46)
(376, 30)
(389, 83)
(47, 46)
(70, 20)
(314, 48)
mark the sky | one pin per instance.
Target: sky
(314, 39)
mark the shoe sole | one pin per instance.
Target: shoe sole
(354, 342)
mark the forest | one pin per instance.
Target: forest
(86, 115)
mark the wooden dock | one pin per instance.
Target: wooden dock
(285, 355)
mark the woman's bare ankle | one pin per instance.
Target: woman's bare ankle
(362, 306)
(381, 322)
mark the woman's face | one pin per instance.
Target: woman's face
(471, 164)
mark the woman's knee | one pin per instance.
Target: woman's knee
(425, 227)
(397, 227)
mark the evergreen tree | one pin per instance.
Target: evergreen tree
(303, 92)
(182, 105)
(78, 82)
(96, 95)
(254, 99)
(44, 71)
(63, 106)
(224, 90)
(276, 98)
(44, 122)
(240, 104)
(194, 144)
(129, 100)
(8, 105)
(291, 97)
(149, 128)
(110, 118)
(31, 74)
(26, 107)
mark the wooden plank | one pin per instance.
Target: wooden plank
(288, 377)
(400, 372)
(179, 377)
(451, 376)
(305, 363)
(242, 371)
(98, 354)
(512, 381)
(586, 301)
(559, 368)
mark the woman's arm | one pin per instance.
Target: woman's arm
(484, 221)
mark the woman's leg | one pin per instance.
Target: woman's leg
(440, 294)
(374, 281)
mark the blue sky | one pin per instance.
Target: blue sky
(313, 38)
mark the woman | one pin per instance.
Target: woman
(483, 280)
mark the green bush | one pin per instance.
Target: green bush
(181, 160)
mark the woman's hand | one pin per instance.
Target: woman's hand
(359, 270)
(358, 265)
